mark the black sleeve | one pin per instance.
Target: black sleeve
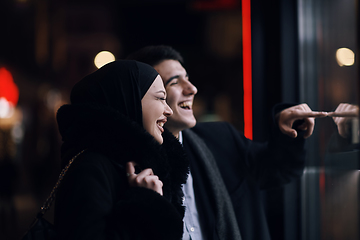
(148, 215)
(85, 201)
(269, 164)
(275, 162)
(95, 202)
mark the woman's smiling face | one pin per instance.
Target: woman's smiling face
(155, 109)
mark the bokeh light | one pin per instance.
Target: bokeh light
(103, 58)
(6, 108)
(345, 57)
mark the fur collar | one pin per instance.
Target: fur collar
(105, 130)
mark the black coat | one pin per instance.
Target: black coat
(95, 200)
(246, 168)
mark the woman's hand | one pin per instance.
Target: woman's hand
(145, 178)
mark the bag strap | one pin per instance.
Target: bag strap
(51, 197)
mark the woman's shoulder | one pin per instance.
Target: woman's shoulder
(92, 162)
(93, 172)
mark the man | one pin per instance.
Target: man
(227, 170)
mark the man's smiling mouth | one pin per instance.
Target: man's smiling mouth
(185, 105)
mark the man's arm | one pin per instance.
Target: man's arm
(272, 163)
(286, 118)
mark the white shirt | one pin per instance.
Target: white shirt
(192, 230)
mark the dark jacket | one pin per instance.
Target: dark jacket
(94, 200)
(246, 168)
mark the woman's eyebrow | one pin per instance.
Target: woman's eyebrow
(161, 91)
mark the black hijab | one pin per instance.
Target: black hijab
(120, 85)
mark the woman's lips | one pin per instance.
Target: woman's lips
(160, 124)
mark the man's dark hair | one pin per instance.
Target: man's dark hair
(154, 55)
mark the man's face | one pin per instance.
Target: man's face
(180, 95)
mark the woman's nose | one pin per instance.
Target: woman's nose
(167, 110)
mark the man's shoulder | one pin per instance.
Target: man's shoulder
(211, 126)
(212, 129)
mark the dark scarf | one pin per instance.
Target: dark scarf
(101, 129)
(120, 85)
(225, 219)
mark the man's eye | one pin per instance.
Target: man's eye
(173, 83)
(162, 99)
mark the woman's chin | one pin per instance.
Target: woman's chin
(159, 138)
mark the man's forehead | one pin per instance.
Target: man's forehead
(169, 68)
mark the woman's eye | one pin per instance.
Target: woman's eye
(162, 99)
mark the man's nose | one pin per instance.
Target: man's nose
(189, 89)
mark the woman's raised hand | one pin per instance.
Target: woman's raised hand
(145, 178)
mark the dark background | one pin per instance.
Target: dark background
(50, 45)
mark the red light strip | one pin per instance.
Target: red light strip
(247, 81)
(8, 88)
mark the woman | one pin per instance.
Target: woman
(126, 185)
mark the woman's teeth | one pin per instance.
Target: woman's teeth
(161, 124)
